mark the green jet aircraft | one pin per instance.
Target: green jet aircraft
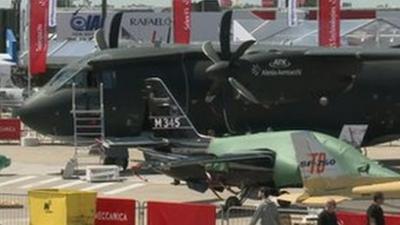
(324, 166)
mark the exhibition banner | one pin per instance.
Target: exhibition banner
(38, 36)
(159, 213)
(329, 23)
(10, 129)
(347, 14)
(182, 20)
(361, 218)
(115, 211)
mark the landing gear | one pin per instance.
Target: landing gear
(121, 162)
(237, 200)
(116, 156)
(232, 202)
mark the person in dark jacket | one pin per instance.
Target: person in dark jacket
(328, 215)
(375, 215)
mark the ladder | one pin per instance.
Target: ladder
(89, 131)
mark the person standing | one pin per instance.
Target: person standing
(267, 211)
(375, 215)
(328, 215)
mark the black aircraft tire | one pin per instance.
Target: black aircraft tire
(232, 201)
(283, 204)
(122, 162)
(109, 161)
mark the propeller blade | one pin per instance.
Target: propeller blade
(225, 35)
(114, 30)
(244, 92)
(242, 49)
(210, 52)
(100, 39)
(218, 68)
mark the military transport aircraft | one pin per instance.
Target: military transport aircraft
(254, 88)
(325, 166)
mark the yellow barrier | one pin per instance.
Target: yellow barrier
(61, 207)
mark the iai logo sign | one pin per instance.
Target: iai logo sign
(89, 22)
(78, 24)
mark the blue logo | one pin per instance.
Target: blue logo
(89, 23)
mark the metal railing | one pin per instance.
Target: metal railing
(14, 209)
(288, 216)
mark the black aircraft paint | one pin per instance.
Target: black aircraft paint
(254, 88)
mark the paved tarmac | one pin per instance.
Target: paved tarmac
(39, 167)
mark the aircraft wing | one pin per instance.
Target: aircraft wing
(390, 189)
(303, 198)
(350, 53)
(138, 141)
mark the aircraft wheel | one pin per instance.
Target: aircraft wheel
(283, 204)
(231, 202)
(122, 162)
(109, 161)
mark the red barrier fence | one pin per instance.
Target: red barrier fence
(10, 129)
(348, 218)
(159, 213)
(115, 211)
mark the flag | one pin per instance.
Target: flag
(38, 36)
(329, 23)
(292, 13)
(182, 20)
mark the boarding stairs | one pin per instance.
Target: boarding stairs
(89, 131)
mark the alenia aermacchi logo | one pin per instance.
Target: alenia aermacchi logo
(318, 163)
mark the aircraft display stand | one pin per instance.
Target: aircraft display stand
(89, 132)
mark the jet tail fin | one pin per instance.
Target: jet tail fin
(166, 116)
(318, 166)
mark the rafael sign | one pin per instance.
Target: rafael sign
(115, 212)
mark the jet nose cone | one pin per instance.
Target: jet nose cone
(33, 113)
(25, 113)
(48, 114)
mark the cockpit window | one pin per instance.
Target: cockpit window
(66, 76)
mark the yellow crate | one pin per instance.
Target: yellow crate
(61, 207)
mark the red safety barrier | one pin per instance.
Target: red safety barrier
(10, 129)
(347, 218)
(110, 211)
(159, 213)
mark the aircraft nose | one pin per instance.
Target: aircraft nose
(35, 114)
(27, 114)
(48, 114)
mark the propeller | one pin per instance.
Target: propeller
(100, 37)
(222, 68)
